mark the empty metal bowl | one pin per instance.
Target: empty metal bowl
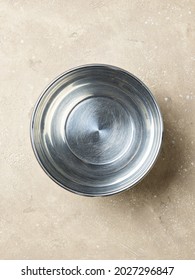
(96, 130)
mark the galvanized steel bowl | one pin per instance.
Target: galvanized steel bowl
(96, 130)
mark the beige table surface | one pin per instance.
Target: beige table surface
(155, 40)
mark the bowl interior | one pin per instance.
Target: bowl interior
(96, 130)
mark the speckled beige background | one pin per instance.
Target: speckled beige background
(153, 39)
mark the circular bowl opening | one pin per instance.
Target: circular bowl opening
(96, 130)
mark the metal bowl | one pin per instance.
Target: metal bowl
(96, 130)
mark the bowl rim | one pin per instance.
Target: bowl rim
(125, 186)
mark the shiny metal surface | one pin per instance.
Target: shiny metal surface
(96, 130)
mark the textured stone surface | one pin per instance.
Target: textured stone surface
(155, 40)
